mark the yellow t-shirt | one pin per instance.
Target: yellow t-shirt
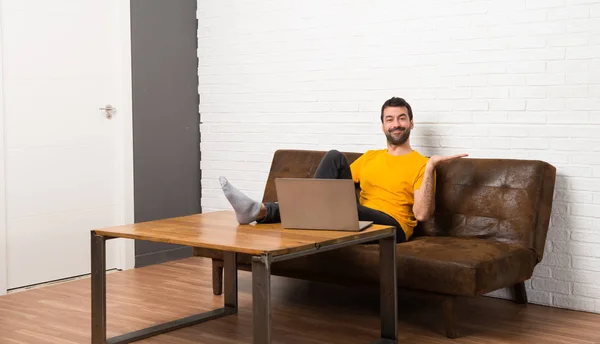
(388, 183)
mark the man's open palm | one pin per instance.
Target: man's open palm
(437, 159)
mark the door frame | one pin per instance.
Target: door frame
(3, 236)
(125, 247)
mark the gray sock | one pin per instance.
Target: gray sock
(246, 209)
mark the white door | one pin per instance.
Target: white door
(68, 167)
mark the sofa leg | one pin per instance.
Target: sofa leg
(450, 316)
(520, 293)
(217, 276)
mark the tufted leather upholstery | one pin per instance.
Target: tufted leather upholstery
(488, 231)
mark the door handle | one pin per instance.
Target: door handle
(109, 109)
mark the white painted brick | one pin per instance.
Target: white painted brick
(585, 52)
(509, 80)
(456, 143)
(574, 302)
(527, 66)
(539, 297)
(573, 117)
(472, 105)
(545, 80)
(548, 131)
(551, 285)
(491, 93)
(529, 143)
(572, 196)
(579, 2)
(561, 182)
(577, 249)
(525, 42)
(584, 277)
(592, 264)
(546, 54)
(560, 208)
(586, 290)
(583, 158)
(456, 117)
(574, 222)
(490, 117)
(574, 145)
(575, 66)
(544, 3)
(542, 271)
(581, 91)
(527, 117)
(557, 259)
(590, 237)
(582, 78)
(569, 12)
(557, 233)
(489, 143)
(583, 132)
(586, 210)
(528, 92)
(546, 104)
(508, 131)
(583, 104)
(508, 104)
(582, 25)
(594, 118)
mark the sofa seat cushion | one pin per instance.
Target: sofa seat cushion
(462, 266)
(448, 265)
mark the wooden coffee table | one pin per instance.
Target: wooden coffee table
(267, 243)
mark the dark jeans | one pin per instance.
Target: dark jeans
(334, 165)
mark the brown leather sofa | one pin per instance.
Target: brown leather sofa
(488, 232)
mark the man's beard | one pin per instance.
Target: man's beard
(398, 140)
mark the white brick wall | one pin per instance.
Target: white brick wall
(513, 79)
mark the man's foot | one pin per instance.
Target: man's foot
(246, 209)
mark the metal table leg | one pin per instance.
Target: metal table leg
(98, 247)
(388, 291)
(230, 280)
(261, 298)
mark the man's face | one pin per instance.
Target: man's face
(396, 125)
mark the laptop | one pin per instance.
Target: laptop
(325, 204)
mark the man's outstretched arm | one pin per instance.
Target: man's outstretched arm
(425, 196)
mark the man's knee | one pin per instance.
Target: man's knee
(332, 154)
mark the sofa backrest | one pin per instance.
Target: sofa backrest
(295, 164)
(506, 200)
(497, 199)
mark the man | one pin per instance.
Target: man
(397, 183)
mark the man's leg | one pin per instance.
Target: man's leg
(380, 218)
(246, 209)
(334, 165)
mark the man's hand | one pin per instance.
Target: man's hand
(435, 160)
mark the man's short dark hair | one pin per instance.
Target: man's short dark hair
(396, 102)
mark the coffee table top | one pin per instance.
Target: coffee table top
(220, 230)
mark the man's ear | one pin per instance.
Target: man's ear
(412, 124)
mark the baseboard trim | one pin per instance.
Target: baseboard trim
(163, 256)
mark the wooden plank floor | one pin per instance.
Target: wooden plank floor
(303, 312)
